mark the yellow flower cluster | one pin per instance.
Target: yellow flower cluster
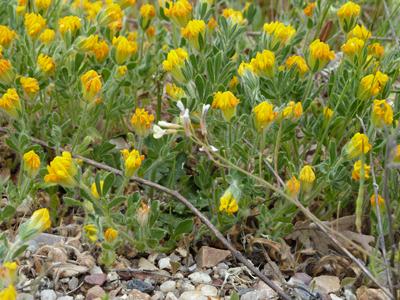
(174, 91)
(95, 192)
(293, 186)
(124, 49)
(353, 47)
(30, 86)
(7, 74)
(91, 85)
(62, 170)
(371, 85)
(382, 113)
(356, 173)
(320, 55)
(226, 102)
(133, 160)
(10, 103)
(34, 24)
(175, 61)
(47, 36)
(142, 121)
(228, 203)
(297, 62)
(348, 14)
(31, 163)
(193, 30)
(264, 115)
(46, 64)
(309, 9)
(307, 178)
(279, 34)
(293, 110)
(6, 36)
(360, 32)
(69, 24)
(180, 12)
(235, 16)
(358, 145)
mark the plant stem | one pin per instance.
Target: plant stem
(260, 160)
(277, 145)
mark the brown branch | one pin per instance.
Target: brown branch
(189, 205)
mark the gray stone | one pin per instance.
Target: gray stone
(210, 257)
(140, 285)
(168, 286)
(146, 265)
(171, 296)
(158, 295)
(200, 277)
(207, 290)
(187, 286)
(73, 283)
(164, 263)
(112, 276)
(48, 295)
(65, 298)
(24, 296)
(193, 295)
(96, 270)
(138, 295)
(95, 292)
(325, 284)
(96, 279)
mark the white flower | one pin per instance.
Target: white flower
(165, 124)
(158, 132)
(180, 106)
(212, 148)
(203, 125)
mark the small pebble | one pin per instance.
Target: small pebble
(164, 263)
(200, 277)
(168, 286)
(48, 295)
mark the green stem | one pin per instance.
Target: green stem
(260, 160)
(360, 198)
(277, 145)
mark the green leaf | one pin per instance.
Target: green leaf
(6, 213)
(72, 202)
(108, 182)
(116, 201)
(184, 226)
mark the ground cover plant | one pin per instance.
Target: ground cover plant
(272, 122)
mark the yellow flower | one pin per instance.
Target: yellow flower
(371, 85)
(10, 103)
(382, 113)
(141, 121)
(307, 177)
(309, 9)
(39, 221)
(235, 16)
(69, 24)
(263, 63)
(124, 49)
(7, 74)
(133, 160)
(358, 145)
(87, 44)
(151, 32)
(348, 14)
(327, 112)
(91, 232)
(297, 62)
(147, 12)
(264, 115)
(6, 36)
(360, 32)
(353, 47)
(47, 36)
(126, 3)
(226, 102)
(30, 86)
(212, 24)
(233, 82)
(31, 163)
(245, 67)
(228, 203)
(91, 85)
(278, 33)
(356, 173)
(34, 24)
(376, 50)
(396, 154)
(121, 71)
(110, 235)
(381, 201)
(175, 61)
(46, 64)
(293, 186)
(192, 31)
(174, 91)
(180, 12)
(293, 110)
(42, 4)
(319, 55)
(101, 50)
(94, 190)
(8, 293)
(112, 13)
(62, 170)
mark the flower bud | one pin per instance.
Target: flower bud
(31, 163)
